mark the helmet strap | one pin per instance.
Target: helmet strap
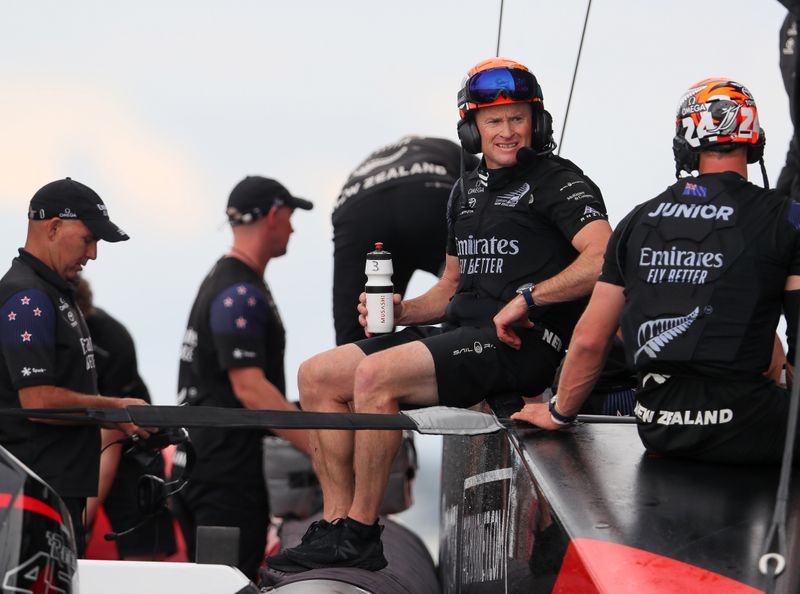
(764, 177)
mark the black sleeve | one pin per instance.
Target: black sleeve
(28, 338)
(788, 236)
(239, 317)
(570, 200)
(614, 260)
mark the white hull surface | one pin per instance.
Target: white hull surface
(135, 577)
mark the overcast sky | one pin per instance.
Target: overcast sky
(163, 106)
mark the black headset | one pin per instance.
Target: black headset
(541, 139)
(152, 491)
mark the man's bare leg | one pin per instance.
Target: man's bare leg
(325, 383)
(403, 374)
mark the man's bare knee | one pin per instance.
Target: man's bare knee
(327, 379)
(372, 387)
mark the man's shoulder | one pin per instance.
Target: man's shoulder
(558, 173)
(20, 277)
(225, 273)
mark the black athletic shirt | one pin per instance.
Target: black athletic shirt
(44, 341)
(515, 226)
(115, 355)
(233, 323)
(704, 267)
(430, 161)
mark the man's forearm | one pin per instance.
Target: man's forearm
(575, 281)
(430, 307)
(582, 367)
(258, 393)
(49, 396)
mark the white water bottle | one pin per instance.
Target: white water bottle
(380, 291)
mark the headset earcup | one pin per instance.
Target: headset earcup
(151, 494)
(755, 152)
(542, 128)
(469, 136)
(686, 158)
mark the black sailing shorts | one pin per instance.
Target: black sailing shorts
(472, 363)
(715, 420)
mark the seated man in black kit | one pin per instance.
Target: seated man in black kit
(696, 277)
(525, 244)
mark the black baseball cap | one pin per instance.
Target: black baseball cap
(68, 199)
(252, 198)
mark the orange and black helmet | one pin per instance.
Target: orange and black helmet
(718, 114)
(496, 81)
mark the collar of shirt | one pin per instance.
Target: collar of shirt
(44, 271)
(498, 178)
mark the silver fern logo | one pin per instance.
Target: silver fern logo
(372, 164)
(656, 334)
(510, 199)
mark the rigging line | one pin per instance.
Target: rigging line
(499, 29)
(574, 76)
(773, 562)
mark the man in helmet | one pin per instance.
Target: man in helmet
(697, 277)
(527, 231)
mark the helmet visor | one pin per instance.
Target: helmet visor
(515, 84)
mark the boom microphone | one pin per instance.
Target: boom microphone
(109, 536)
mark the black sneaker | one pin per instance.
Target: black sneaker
(347, 544)
(282, 562)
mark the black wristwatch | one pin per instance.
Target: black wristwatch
(526, 291)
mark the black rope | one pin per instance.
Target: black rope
(574, 77)
(774, 550)
(499, 29)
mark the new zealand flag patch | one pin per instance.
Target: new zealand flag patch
(695, 190)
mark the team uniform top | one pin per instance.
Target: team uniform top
(514, 226)
(117, 368)
(430, 161)
(233, 323)
(704, 266)
(45, 341)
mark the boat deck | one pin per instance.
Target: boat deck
(586, 510)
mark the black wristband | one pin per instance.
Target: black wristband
(557, 416)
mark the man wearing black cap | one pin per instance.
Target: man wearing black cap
(46, 350)
(232, 356)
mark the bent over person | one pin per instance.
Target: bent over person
(47, 355)
(698, 275)
(525, 246)
(397, 195)
(232, 356)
